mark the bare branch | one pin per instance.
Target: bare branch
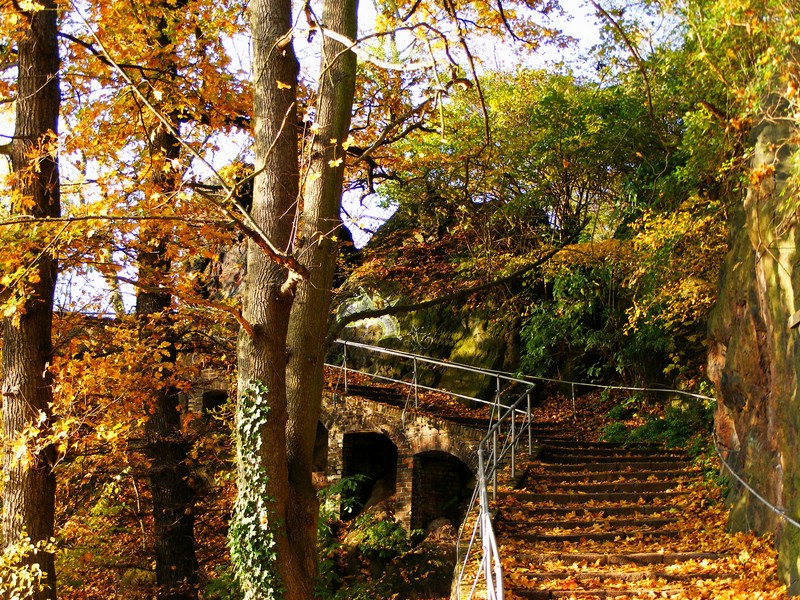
(353, 46)
(232, 311)
(457, 295)
(639, 64)
(394, 123)
(508, 25)
(76, 219)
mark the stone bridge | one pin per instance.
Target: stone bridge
(428, 463)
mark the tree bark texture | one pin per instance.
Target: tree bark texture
(173, 497)
(167, 449)
(29, 489)
(320, 241)
(267, 299)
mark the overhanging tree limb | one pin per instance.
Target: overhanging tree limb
(637, 57)
(243, 221)
(457, 295)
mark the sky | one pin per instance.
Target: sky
(578, 23)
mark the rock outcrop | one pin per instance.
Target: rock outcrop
(754, 355)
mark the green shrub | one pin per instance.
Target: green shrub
(382, 538)
(684, 425)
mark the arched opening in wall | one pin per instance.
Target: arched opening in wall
(213, 399)
(320, 457)
(374, 457)
(442, 488)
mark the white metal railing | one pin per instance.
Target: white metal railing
(489, 566)
(492, 450)
(495, 446)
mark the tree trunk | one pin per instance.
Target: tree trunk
(30, 485)
(280, 377)
(320, 238)
(173, 497)
(262, 555)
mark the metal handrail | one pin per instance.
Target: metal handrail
(490, 565)
(490, 562)
(489, 455)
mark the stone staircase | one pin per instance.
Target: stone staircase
(596, 520)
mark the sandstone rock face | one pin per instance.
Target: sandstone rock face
(487, 338)
(754, 355)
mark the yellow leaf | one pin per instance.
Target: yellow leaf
(335, 163)
(283, 86)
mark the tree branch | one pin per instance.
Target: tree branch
(639, 64)
(353, 46)
(244, 221)
(394, 123)
(397, 309)
(75, 219)
(103, 59)
(508, 27)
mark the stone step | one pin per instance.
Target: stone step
(573, 511)
(603, 487)
(592, 524)
(564, 444)
(615, 447)
(565, 499)
(587, 594)
(598, 476)
(635, 558)
(599, 536)
(628, 576)
(581, 465)
(573, 455)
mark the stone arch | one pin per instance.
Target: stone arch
(412, 434)
(212, 399)
(459, 448)
(442, 487)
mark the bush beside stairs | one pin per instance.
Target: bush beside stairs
(598, 520)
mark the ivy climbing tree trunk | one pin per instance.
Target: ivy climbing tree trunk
(273, 536)
(30, 485)
(319, 244)
(260, 550)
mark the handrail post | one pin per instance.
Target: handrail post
(497, 398)
(344, 366)
(513, 444)
(530, 423)
(574, 412)
(416, 387)
(494, 463)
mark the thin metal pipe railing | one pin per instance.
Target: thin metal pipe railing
(490, 453)
(490, 564)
